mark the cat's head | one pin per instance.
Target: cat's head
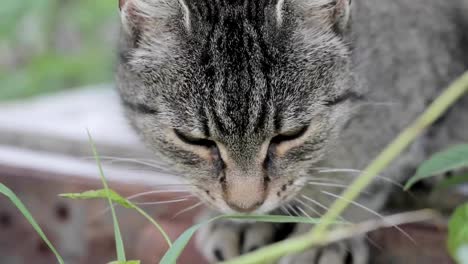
(240, 97)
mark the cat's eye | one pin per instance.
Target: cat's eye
(289, 136)
(191, 140)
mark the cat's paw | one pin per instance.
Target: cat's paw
(354, 251)
(226, 239)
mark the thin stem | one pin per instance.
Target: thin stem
(118, 237)
(156, 224)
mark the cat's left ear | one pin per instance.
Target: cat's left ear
(331, 14)
(341, 15)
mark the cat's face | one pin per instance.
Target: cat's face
(242, 98)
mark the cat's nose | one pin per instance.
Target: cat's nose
(243, 193)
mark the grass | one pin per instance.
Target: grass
(17, 202)
(320, 234)
(118, 237)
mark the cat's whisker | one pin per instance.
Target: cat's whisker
(370, 211)
(327, 184)
(155, 167)
(160, 167)
(147, 162)
(181, 199)
(155, 192)
(356, 173)
(325, 208)
(172, 185)
(373, 243)
(325, 169)
(295, 212)
(147, 170)
(304, 212)
(329, 180)
(127, 159)
(340, 217)
(315, 211)
(334, 185)
(315, 202)
(187, 209)
(285, 210)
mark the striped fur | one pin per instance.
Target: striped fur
(260, 93)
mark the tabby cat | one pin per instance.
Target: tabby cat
(270, 106)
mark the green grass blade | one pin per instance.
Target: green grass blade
(125, 262)
(457, 242)
(156, 224)
(118, 237)
(117, 198)
(276, 219)
(99, 194)
(17, 202)
(181, 242)
(451, 159)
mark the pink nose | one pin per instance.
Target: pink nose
(244, 194)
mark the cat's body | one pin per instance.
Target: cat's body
(257, 102)
(405, 54)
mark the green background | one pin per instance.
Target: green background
(51, 45)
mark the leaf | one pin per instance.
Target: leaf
(451, 159)
(457, 242)
(118, 237)
(115, 197)
(17, 202)
(99, 194)
(181, 242)
(453, 181)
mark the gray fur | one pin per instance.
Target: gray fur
(243, 72)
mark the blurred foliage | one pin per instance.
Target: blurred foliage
(50, 45)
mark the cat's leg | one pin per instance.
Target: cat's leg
(351, 251)
(227, 239)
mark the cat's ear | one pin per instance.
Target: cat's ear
(139, 14)
(121, 3)
(341, 15)
(334, 14)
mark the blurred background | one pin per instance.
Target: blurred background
(57, 60)
(52, 45)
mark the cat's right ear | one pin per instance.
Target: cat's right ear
(137, 15)
(129, 16)
(121, 3)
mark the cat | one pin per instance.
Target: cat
(266, 105)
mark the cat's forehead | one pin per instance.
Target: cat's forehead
(240, 62)
(236, 71)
